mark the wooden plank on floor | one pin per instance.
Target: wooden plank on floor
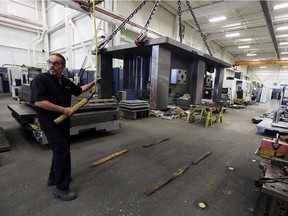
(165, 181)
(206, 154)
(109, 157)
(155, 143)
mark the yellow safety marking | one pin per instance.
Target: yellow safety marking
(273, 153)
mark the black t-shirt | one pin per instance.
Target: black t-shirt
(46, 87)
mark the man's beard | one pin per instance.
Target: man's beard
(52, 72)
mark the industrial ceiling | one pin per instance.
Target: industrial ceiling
(258, 29)
(256, 25)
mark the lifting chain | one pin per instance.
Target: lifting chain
(180, 21)
(199, 28)
(139, 41)
(157, 2)
(104, 43)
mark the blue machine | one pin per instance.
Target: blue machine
(117, 80)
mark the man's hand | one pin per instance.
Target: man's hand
(90, 85)
(68, 111)
(98, 79)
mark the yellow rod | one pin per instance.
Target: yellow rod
(96, 44)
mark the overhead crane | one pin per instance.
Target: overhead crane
(263, 62)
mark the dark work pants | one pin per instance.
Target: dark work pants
(60, 171)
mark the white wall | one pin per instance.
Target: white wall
(20, 28)
(270, 77)
(29, 10)
(157, 24)
(55, 14)
(15, 46)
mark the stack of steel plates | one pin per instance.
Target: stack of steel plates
(133, 109)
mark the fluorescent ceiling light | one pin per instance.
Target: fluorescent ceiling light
(232, 34)
(251, 54)
(244, 47)
(216, 19)
(284, 53)
(281, 17)
(245, 39)
(280, 6)
(231, 25)
(282, 28)
(263, 67)
(259, 59)
(283, 43)
(282, 36)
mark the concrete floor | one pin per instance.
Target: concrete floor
(117, 186)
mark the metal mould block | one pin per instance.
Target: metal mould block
(87, 118)
(23, 113)
(178, 76)
(155, 59)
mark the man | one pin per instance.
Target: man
(51, 95)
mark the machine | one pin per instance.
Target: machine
(239, 91)
(96, 115)
(162, 67)
(13, 76)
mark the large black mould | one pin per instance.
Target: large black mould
(152, 64)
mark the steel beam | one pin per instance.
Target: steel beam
(266, 11)
(218, 83)
(264, 62)
(160, 73)
(105, 88)
(198, 69)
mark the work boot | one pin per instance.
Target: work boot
(65, 195)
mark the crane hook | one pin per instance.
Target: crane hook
(139, 41)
